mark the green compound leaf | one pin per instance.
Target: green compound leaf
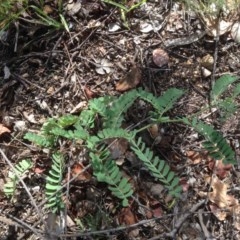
(106, 170)
(215, 143)
(53, 183)
(221, 85)
(158, 168)
(13, 178)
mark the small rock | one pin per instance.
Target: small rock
(160, 57)
(207, 62)
(205, 72)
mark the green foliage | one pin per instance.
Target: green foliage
(211, 8)
(106, 170)
(40, 140)
(124, 9)
(215, 143)
(158, 168)
(226, 105)
(111, 111)
(161, 104)
(13, 176)
(114, 113)
(53, 183)
(9, 11)
(221, 85)
(103, 120)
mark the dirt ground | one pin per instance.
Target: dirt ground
(53, 71)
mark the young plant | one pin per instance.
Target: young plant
(13, 177)
(110, 111)
(124, 9)
(9, 11)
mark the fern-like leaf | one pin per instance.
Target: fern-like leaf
(106, 170)
(158, 168)
(116, 133)
(53, 183)
(13, 178)
(221, 86)
(100, 105)
(114, 115)
(40, 140)
(215, 143)
(236, 91)
(67, 120)
(163, 103)
(86, 119)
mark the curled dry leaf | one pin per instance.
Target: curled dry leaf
(127, 218)
(78, 169)
(219, 194)
(160, 57)
(4, 129)
(89, 93)
(220, 169)
(131, 80)
(222, 204)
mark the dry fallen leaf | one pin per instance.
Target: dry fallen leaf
(89, 93)
(127, 218)
(220, 169)
(131, 80)
(118, 148)
(197, 157)
(47, 9)
(78, 169)
(222, 204)
(215, 27)
(220, 214)
(3, 129)
(235, 32)
(219, 194)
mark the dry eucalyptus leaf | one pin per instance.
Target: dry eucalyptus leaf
(160, 57)
(131, 80)
(235, 32)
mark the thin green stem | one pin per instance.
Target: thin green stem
(158, 122)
